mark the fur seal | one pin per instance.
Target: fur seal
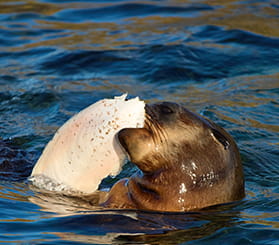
(186, 162)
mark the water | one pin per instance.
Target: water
(218, 58)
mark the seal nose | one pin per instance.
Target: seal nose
(122, 138)
(135, 142)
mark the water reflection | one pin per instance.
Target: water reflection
(151, 228)
(104, 226)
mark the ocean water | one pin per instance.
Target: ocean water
(218, 58)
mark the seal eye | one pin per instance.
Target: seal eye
(221, 138)
(166, 109)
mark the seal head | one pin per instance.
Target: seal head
(186, 162)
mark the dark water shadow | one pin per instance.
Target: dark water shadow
(15, 163)
(137, 227)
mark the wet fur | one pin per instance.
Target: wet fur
(186, 163)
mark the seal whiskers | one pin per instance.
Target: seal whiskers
(157, 131)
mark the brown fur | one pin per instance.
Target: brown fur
(186, 163)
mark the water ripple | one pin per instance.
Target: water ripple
(217, 58)
(127, 10)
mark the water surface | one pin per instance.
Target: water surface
(218, 58)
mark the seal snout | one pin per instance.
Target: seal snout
(135, 141)
(123, 138)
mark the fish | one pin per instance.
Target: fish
(85, 150)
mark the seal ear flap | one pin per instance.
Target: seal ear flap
(221, 138)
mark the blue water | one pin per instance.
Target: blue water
(218, 58)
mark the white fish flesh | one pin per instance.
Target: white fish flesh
(85, 150)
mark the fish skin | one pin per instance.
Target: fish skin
(85, 149)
